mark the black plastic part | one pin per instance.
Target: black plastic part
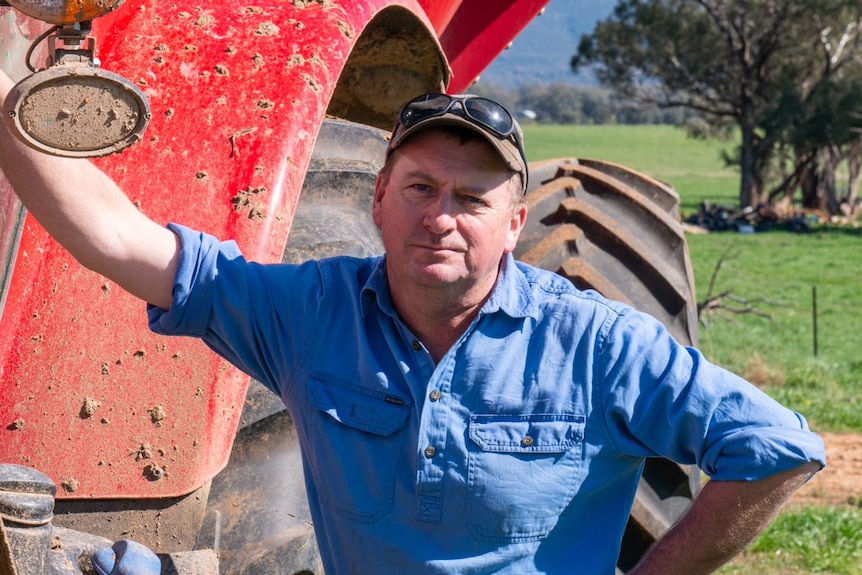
(26, 507)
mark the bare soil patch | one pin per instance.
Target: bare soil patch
(841, 481)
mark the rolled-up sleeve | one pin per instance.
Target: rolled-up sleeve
(665, 399)
(259, 317)
(196, 268)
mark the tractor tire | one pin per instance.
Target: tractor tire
(616, 231)
(613, 230)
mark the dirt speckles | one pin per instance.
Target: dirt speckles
(16, 425)
(169, 112)
(346, 30)
(234, 148)
(253, 10)
(202, 176)
(205, 20)
(258, 61)
(312, 83)
(157, 415)
(161, 47)
(190, 48)
(325, 4)
(89, 407)
(248, 199)
(184, 15)
(142, 452)
(230, 50)
(154, 472)
(70, 485)
(221, 70)
(265, 104)
(295, 60)
(267, 29)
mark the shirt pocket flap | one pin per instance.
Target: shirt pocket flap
(537, 433)
(360, 408)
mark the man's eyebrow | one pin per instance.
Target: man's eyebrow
(419, 173)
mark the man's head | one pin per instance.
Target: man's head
(450, 197)
(483, 116)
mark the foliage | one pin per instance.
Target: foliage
(780, 70)
(576, 105)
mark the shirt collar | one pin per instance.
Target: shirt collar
(511, 294)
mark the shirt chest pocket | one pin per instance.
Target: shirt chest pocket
(357, 436)
(522, 473)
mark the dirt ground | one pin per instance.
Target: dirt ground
(841, 481)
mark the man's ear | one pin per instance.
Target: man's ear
(516, 224)
(376, 206)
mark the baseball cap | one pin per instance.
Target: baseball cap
(481, 115)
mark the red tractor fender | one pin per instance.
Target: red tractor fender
(90, 397)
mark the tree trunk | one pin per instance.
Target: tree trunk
(854, 167)
(746, 165)
(827, 193)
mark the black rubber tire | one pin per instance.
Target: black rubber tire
(613, 230)
(617, 231)
(334, 212)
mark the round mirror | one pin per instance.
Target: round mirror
(77, 111)
(65, 11)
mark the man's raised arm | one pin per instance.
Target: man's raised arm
(85, 211)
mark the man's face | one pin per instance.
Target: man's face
(447, 213)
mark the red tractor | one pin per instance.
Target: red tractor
(264, 122)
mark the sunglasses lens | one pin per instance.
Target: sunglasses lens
(491, 114)
(424, 107)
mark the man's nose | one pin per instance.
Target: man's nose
(440, 215)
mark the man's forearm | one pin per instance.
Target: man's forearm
(723, 520)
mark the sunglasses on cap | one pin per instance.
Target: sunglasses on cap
(482, 112)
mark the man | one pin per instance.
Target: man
(458, 412)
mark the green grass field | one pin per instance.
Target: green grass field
(777, 272)
(693, 167)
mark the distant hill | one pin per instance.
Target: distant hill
(541, 53)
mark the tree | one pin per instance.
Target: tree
(758, 64)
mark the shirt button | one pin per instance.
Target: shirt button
(417, 346)
(435, 395)
(430, 452)
(527, 441)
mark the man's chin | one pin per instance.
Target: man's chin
(436, 274)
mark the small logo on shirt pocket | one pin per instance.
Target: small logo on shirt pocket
(358, 434)
(522, 472)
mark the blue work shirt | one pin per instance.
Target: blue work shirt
(519, 452)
